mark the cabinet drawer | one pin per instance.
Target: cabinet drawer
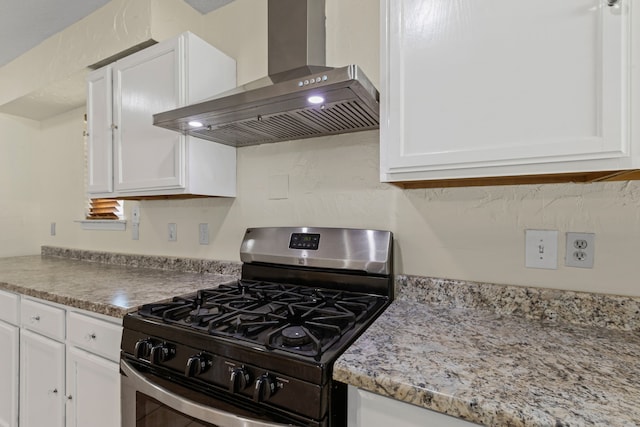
(42, 318)
(94, 335)
(9, 307)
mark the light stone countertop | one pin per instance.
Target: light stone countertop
(491, 354)
(440, 349)
(94, 284)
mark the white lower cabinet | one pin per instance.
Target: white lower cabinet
(9, 373)
(93, 371)
(42, 391)
(372, 410)
(59, 365)
(9, 342)
(93, 389)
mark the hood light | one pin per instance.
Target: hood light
(195, 124)
(315, 99)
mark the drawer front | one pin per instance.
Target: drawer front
(94, 335)
(42, 318)
(9, 307)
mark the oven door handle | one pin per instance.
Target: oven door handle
(186, 406)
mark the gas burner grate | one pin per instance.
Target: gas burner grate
(309, 331)
(295, 319)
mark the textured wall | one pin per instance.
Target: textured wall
(117, 26)
(19, 204)
(465, 233)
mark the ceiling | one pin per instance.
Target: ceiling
(26, 23)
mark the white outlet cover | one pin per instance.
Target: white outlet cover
(203, 234)
(135, 215)
(172, 229)
(580, 255)
(541, 249)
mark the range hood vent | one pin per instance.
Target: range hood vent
(279, 107)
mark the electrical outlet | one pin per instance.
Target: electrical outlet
(53, 229)
(541, 249)
(203, 233)
(172, 228)
(580, 250)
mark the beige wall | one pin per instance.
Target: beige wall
(19, 205)
(465, 233)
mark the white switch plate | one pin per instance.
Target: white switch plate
(135, 215)
(541, 249)
(203, 234)
(172, 229)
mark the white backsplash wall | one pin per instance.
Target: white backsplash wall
(461, 233)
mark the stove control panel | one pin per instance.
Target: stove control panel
(307, 241)
(246, 381)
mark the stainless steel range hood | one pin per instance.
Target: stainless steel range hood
(282, 106)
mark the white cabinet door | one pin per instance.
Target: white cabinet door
(93, 386)
(477, 88)
(372, 410)
(127, 155)
(42, 382)
(99, 132)
(146, 156)
(9, 341)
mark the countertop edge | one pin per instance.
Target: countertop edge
(81, 304)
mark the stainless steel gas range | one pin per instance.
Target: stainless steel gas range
(259, 352)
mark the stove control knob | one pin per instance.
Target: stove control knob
(196, 365)
(265, 387)
(239, 379)
(143, 348)
(161, 353)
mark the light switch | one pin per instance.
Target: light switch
(541, 249)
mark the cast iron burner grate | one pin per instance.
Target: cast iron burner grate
(296, 319)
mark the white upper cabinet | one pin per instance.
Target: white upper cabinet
(127, 155)
(99, 136)
(491, 88)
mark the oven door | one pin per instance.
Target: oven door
(151, 401)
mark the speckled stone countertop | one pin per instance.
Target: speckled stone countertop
(110, 284)
(491, 354)
(503, 355)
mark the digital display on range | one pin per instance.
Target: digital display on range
(304, 241)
